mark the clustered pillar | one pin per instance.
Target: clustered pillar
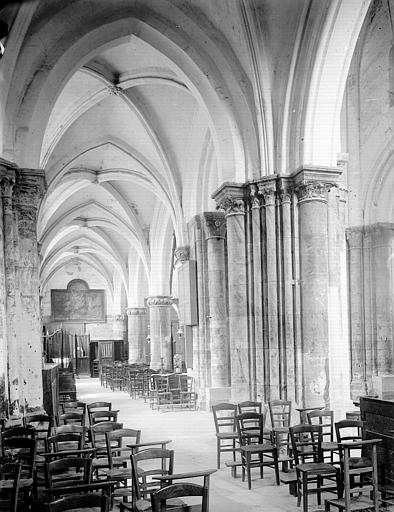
(277, 237)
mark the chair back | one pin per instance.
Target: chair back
(250, 406)
(349, 430)
(179, 490)
(9, 497)
(23, 450)
(99, 416)
(280, 413)
(153, 462)
(72, 417)
(306, 442)
(224, 417)
(18, 432)
(117, 440)
(65, 441)
(366, 486)
(324, 418)
(74, 406)
(81, 502)
(68, 471)
(98, 406)
(42, 423)
(250, 426)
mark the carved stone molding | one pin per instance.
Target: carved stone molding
(232, 205)
(312, 190)
(7, 181)
(135, 311)
(314, 183)
(119, 318)
(182, 254)
(214, 224)
(230, 198)
(160, 300)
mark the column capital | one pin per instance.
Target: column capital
(286, 189)
(31, 187)
(253, 196)
(314, 183)
(230, 197)
(182, 254)
(135, 311)
(355, 236)
(267, 190)
(214, 224)
(159, 300)
(119, 318)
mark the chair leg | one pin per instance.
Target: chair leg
(218, 453)
(319, 485)
(276, 462)
(261, 465)
(248, 470)
(305, 492)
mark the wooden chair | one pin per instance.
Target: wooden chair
(187, 395)
(226, 430)
(325, 419)
(66, 472)
(99, 416)
(76, 406)
(280, 416)
(146, 465)
(10, 474)
(118, 456)
(352, 430)
(311, 471)
(360, 483)
(81, 502)
(253, 447)
(172, 491)
(17, 432)
(99, 443)
(42, 423)
(253, 406)
(98, 406)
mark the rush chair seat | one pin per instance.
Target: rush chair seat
(99, 501)
(254, 449)
(226, 430)
(310, 469)
(361, 482)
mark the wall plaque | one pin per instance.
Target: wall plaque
(77, 303)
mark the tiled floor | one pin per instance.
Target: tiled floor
(194, 443)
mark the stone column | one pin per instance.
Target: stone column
(215, 230)
(288, 303)
(230, 198)
(4, 382)
(160, 332)
(29, 191)
(357, 342)
(118, 327)
(267, 190)
(136, 333)
(311, 186)
(8, 180)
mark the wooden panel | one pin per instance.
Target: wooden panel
(50, 384)
(379, 423)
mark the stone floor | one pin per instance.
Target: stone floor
(194, 443)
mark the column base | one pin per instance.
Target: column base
(216, 396)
